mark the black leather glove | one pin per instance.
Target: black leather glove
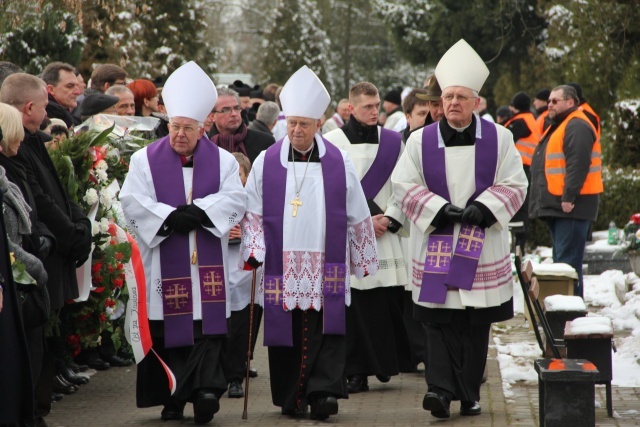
(182, 221)
(254, 263)
(452, 214)
(46, 244)
(199, 213)
(81, 247)
(472, 215)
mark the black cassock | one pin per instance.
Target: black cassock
(196, 367)
(313, 367)
(16, 388)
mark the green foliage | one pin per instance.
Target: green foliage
(41, 38)
(601, 53)
(502, 32)
(296, 39)
(621, 135)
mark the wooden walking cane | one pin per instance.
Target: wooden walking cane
(246, 380)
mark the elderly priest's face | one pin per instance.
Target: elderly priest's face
(184, 134)
(459, 103)
(301, 131)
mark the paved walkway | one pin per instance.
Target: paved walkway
(109, 400)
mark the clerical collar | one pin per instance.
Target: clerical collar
(458, 137)
(358, 133)
(302, 157)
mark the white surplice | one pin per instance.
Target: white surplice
(304, 234)
(392, 269)
(493, 282)
(145, 216)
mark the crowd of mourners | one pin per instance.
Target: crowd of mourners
(391, 324)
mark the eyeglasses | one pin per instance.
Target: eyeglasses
(460, 98)
(177, 128)
(120, 83)
(554, 101)
(228, 110)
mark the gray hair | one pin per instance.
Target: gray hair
(117, 89)
(225, 91)
(268, 112)
(568, 92)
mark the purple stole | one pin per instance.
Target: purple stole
(175, 261)
(441, 270)
(382, 166)
(278, 324)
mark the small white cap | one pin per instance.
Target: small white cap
(304, 95)
(189, 92)
(461, 66)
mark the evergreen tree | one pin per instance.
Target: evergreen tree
(41, 35)
(297, 38)
(502, 32)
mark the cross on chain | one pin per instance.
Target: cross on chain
(178, 298)
(336, 281)
(213, 283)
(472, 241)
(439, 252)
(295, 203)
(273, 290)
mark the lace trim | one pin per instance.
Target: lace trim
(363, 252)
(252, 237)
(392, 264)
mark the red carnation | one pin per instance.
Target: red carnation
(103, 318)
(112, 229)
(97, 266)
(120, 266)
(110, 268)
(117, 283)
(635, 218)
(118, 256)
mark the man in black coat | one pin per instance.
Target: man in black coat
(229, 131)
(66, 221)
(63, 90)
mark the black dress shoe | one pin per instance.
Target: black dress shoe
(437, 404)
(56, 397)
(323, 407)
(77, 368)
(204, 407)
(118, 361)
(171, 413)
(235, 390)
(383, 378)
(60, 385)
(253, 373)
(71, 376)
(358, 383)
(470, 408)
(296, 412)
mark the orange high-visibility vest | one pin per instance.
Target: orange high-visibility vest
(555, 162)
(527, 145)
(540, 121)
(586, 107)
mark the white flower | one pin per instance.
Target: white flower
(95, 228)
(106, 198)
(104, 225)
(91, 196)
(109, 310)
(101, 166)
(101, 175)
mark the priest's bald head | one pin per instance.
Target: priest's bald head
(304, 100)
(189, 95)
(461, 73)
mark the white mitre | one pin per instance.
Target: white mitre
(461, 66)
(304, 95)
(189, 92)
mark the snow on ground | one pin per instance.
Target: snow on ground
(516, 359)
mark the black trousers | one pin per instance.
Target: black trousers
(238, 341)
(456, 357)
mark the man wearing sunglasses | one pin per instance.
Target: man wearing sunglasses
(566, 178)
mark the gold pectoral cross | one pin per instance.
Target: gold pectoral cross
(295, 203)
